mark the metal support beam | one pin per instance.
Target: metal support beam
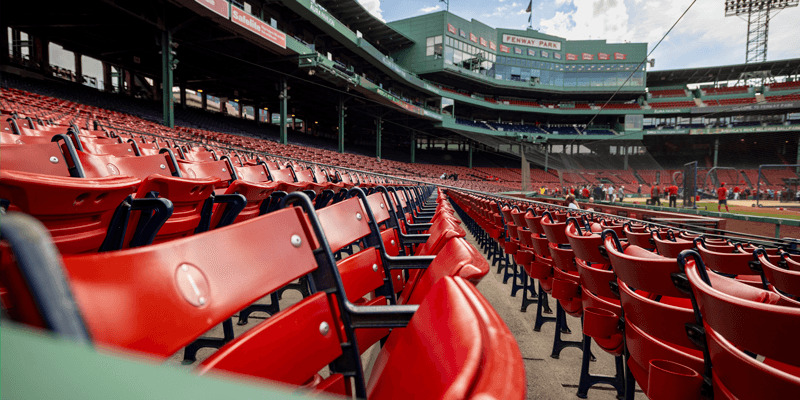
(183, 95)
(166, 79)
(283, 97)
(342, 115)
(378, 138)
(797, 170)
(78, 68)
(716, 151)
(4, 45)
(546, 156)
(413, 147)
(625, 151)
(470, 155)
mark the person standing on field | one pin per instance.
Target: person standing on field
(673, 196)
(722, 196)
(655, 195)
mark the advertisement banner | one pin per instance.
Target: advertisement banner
(749, 107)
(517, 50)
(744, 129)
(572, 57)
(667, 132)
(557, 56)
(532, 52)
(620, 56)
(532, 42)
(473, 38)
(505, 49)
(219, 7)
(323, 14)
(545, 54)
(452, 29)
(492, 46)
(483, 42)
(603, 56)
(587, 56)
(462, 33)
(258, 27)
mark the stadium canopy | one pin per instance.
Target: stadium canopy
(721, 73)
(356, 17)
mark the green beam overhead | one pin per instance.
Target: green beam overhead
(166, 79)
(283, 97)
(378, 138)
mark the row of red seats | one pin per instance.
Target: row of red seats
(687, 300)
(668, 93)
(724, 90)
(622, 106)
(351, 303)
(672, 104)
(729, 102)
(784, 85)
(43, 107)
(785, 97)
(411, 257)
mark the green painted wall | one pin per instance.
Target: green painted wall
(459, 29)
(419, 29)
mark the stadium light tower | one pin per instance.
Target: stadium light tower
(759, 13)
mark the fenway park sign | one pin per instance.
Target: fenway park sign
(526, 41)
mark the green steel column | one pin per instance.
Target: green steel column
(283, 96)
(341, 124)
(166, 79)
(546, 156)
(378, 138)
(413, 147)
(797, 171)
(470, 155)
(716, 151)
(625, 149)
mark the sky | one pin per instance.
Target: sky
(704, 37)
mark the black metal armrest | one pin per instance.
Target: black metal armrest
(409, 262)
(418, 227)
(413, 238)
(396, 316)
(235, 204)
(150, 224)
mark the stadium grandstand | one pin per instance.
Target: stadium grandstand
(360, 196)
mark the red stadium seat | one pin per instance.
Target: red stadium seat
(726, 311)
(656, 313)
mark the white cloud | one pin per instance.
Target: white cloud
(607, 19)
(703, 37)
(374, 8)
(499, 11)
(430, 9)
